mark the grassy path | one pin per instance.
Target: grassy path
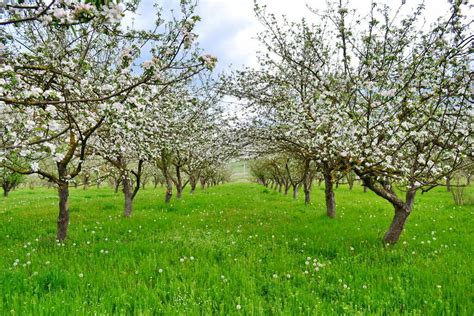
(233, 249)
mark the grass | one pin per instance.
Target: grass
(234, 245)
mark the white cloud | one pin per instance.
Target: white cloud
(228, 28)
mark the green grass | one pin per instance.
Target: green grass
(249, 246)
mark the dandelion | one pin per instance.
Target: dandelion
(160, 270)
(181, 259)
(81, 275)
(438, 286)
(275, 275)
(192, 258)
(364, 286)
(238, 307)
(288, 276)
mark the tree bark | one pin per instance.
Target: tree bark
(295, 192)
(192, 184)
(63, 217)
(448, 183)
(116, 185)
(169, 189)
(329, 193)
(7, 187)
(396, 227)
(179, 193)
(287, 187)
(128, 195)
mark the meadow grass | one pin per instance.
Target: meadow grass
(233, 249)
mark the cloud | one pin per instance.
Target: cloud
(228, 28)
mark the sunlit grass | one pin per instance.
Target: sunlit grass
(236, 248)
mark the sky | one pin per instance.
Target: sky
(228, 27)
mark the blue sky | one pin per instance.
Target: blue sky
(228, 27)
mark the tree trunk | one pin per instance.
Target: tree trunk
(329, 192)
(178, 183)
(116, 186)
(396, 228)
(128, 195)
(169, 189)
(86, 182)
(287, 187)
(192, 184)
(307, 195)
(63, 217)
(448, 183)
(5, 192)
(402, 211)
(365, 188)
(295, 192)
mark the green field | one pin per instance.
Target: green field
(234, 249)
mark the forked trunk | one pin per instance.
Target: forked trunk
(329, 192)
(63, 217)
